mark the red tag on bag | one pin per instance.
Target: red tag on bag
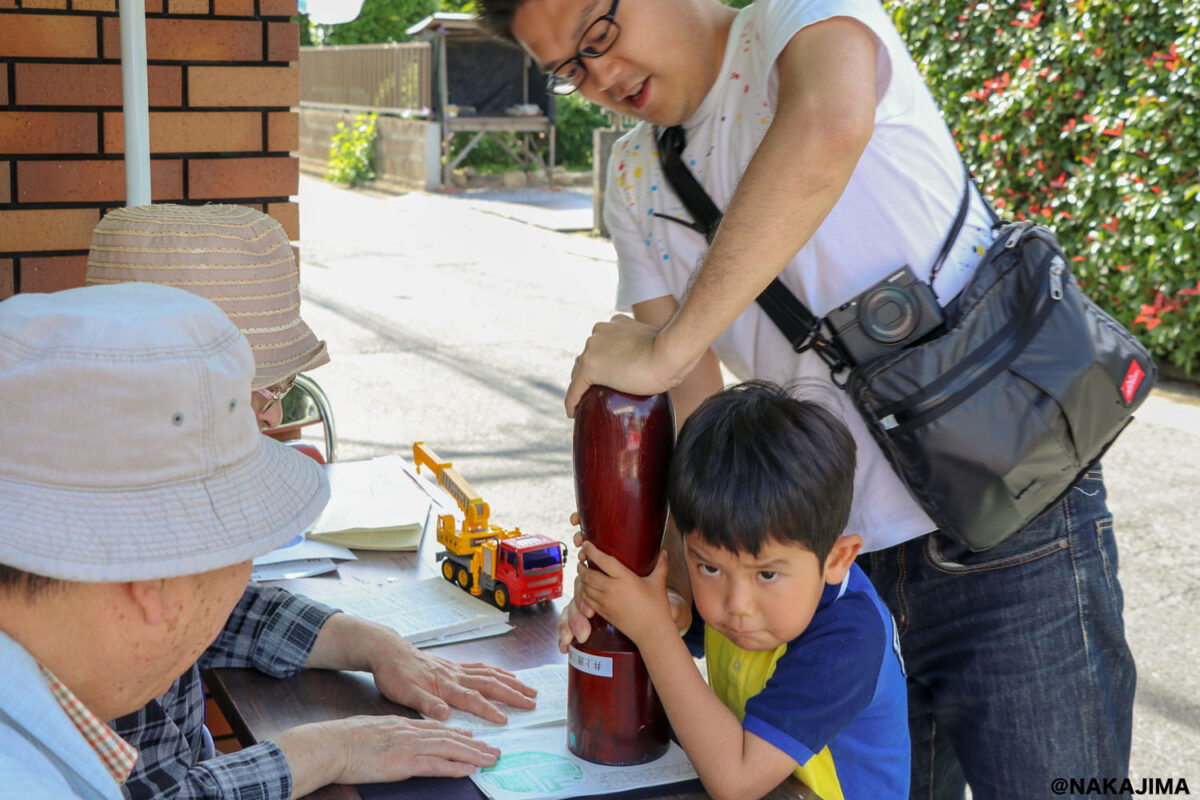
(1133, 379)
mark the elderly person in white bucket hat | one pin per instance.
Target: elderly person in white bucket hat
(120, 561)
(241, 260)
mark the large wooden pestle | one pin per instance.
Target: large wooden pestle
(623, 446)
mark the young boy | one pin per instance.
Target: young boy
(804, 673)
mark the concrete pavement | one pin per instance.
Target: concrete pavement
(449, 320)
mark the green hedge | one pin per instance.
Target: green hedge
(1083, 116)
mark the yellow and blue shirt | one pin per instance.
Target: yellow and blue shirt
(833, 698)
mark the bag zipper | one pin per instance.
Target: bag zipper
(1057, 265)
(961, 383)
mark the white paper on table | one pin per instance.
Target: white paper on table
(303, 550)
(535, 764)
(287, 570)
(550, 681)
(376, 494)
(419, 610)
(484, 632)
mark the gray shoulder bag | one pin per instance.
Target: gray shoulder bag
(991, 415)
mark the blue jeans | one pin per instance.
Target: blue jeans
(1018, 670)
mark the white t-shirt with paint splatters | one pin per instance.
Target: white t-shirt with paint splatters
(896, 210)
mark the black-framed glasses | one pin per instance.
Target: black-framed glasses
(597, 40)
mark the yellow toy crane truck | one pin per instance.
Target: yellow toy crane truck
(511, 567)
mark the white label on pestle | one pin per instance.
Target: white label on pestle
(591, 664)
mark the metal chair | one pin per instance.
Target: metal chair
(306, 404)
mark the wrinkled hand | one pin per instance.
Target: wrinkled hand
(431, 685)
(621, 354)
(639, 607)
(387, 748)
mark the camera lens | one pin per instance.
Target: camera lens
(889, 314)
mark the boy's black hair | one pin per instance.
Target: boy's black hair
(496, 17)
(754, 464)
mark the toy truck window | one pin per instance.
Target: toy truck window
(510, 558)
(542, 558)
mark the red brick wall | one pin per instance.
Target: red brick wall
(223, 79)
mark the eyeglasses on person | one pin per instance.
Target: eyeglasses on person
(274, 394)
(597, 40)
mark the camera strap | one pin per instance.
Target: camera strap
(799, 326)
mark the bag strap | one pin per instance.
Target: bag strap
(671, 142)
(799, 325)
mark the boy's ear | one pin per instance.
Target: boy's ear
(841, 557)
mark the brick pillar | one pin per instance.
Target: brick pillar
(223, 81)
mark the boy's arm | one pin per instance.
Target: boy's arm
(731, 762)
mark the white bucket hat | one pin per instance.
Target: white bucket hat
(128, 449)
(235, 256)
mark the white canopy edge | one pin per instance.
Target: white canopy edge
(136, 98)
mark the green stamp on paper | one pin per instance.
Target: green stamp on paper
(533, 772)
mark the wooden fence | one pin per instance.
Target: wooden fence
(388, 78)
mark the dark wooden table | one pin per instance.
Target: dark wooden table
(259, 707)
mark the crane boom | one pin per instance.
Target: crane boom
(473, 507)
(511, 567)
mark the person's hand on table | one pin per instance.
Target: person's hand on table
(431, 684)
(408, 676)
(368, 749)
(628, 356)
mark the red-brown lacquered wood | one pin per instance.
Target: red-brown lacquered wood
(623, 446)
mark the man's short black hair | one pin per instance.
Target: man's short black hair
(496, 17)
(31, 585)
(754, 464)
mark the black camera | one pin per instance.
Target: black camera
(892, 314)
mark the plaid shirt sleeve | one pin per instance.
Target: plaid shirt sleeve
(271, 630)
(259, 772)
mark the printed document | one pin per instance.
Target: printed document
(535, 764)
(299, 558)
(550, 681)
(377, 504)
(430, 609)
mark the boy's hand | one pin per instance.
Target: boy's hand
(574, 623)
(638, 606)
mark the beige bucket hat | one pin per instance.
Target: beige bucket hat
(234, 256)
(128, 449)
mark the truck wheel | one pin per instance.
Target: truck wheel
(464, 578)
(501, 596)
(448, 570)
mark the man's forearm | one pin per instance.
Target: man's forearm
(353, 643)
(824, 117)
(779, 203)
